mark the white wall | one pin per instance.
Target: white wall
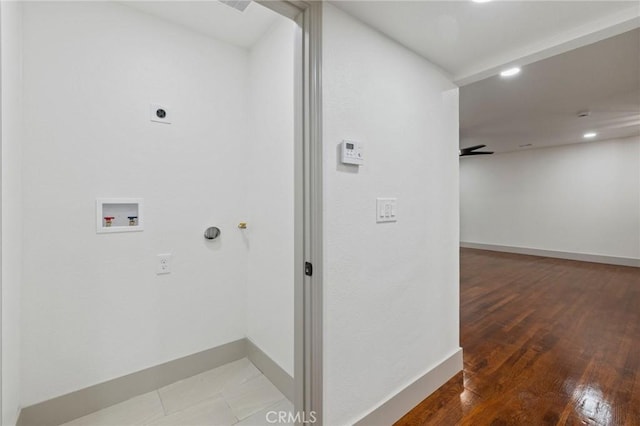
(582, 198)
(391, 290)
(270, 195)
(94, 309)
(11, 49)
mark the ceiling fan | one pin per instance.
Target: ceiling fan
(472, 151)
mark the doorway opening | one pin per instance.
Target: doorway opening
(196, 126)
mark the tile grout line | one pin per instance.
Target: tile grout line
(164, 410)
(230, 409)
(219, 394)
(284, 398)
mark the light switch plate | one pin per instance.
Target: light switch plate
(386, 210)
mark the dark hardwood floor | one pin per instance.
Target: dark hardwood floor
(546, 342)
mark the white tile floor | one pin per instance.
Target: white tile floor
(234, 394)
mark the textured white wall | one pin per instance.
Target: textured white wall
(391, 289)
(11, 48)
(270, 195)
(93, 307)
(579, 198)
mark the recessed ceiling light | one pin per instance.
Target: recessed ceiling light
(480, 1)
(590, 135)
(510, 72)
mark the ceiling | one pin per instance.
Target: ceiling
(539, 106)
(213, 18)
(575, 55)
(470, 40)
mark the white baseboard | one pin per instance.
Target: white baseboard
(584, 257)
(68, 407)
(272, 371)
(402, 402)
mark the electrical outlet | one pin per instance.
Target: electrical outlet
(164, 264)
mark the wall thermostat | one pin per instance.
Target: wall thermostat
(352, 153)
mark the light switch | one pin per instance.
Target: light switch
(386, 210)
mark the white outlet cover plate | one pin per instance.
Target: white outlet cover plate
(153, 113)
(386, 210)
(163, 264)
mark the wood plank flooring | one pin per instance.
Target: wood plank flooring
(546, 342)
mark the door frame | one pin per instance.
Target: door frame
(308, 293)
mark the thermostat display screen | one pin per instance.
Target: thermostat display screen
(349, 146)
